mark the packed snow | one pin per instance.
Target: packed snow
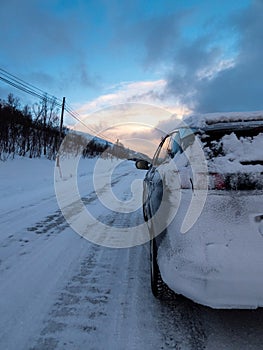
(59, 291)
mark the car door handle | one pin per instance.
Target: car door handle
(192, 185)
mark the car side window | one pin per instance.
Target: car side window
(187, 137)
(167, 149)
(176, 144)
(162, 151)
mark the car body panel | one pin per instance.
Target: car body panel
(219, 261)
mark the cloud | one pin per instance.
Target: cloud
(148, 138)
(240, 86)
(147, 92)
(134, 124)
(192, 60)
(215, 68)
(154, 37)
(40, 41)
(134, 112)
(161, 36)
(207, 79)
(29, 30)
(131, 102)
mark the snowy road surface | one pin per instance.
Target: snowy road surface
(59, 291)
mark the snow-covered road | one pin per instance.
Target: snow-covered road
(59, 291)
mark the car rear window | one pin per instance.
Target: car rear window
(244, 147)
(237, 154)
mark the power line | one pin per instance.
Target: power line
(24, 86)
(94, 132)
(31, 92)
(77, 116)
(28, 88)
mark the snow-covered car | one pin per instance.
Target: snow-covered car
(203, 203)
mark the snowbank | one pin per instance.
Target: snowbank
(24, 180)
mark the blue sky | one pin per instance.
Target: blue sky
(198, 56)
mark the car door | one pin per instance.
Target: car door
(153, 180)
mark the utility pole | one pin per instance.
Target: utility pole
(61, 119)
(60, 132)
(45, 124)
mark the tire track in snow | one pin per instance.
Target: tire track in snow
(108, 301)
(56, 223)
(73, 317)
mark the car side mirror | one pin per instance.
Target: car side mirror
(142, 165)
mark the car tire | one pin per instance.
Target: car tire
(159, 288)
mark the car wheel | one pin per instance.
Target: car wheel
(159, 287)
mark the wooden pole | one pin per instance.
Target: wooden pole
(60, 132)
(61, 119)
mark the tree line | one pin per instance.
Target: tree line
(30, 130)
(33, 131)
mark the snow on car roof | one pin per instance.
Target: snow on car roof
(204, 120)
